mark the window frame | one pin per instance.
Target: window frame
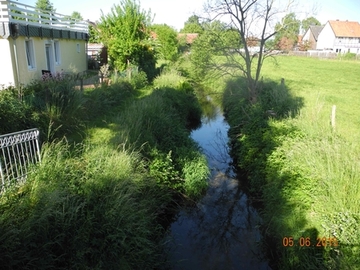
(30, 54)
(57, 52)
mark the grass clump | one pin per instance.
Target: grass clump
(93, 209)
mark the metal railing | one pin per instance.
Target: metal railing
(15, 12)
(18, 151)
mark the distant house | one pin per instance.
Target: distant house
(340, 37)
(97, 55)
(189, 37)
(311, 36)
(33, 43)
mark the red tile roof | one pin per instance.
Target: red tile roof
(190, 37)
(345, 28)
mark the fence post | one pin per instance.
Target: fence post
(333, 115)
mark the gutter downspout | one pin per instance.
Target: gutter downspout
(17, 77)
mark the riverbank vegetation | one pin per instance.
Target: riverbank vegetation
(114, 158)
(303, 170)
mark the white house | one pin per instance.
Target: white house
(32, 43)
(340, 36)
(311, 36)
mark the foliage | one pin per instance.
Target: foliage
(287, 32)
(75, 16)
(306, 23)
(14, 114)
(166, 42)
(94, 35)
(303, 170)
(347, 56)
(45, 6)
(57, 104)
(90, 209)
(192, 25)
(242, 17)
(125, 32)
(216, 40)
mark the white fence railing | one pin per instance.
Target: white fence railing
(18, 151)
(15, 12)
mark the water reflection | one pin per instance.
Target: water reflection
(221, 231)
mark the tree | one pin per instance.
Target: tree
(249, 18)
(94, 33)
(287, 31)
(306, 23)
(75, 16)
(125, 32)
(192, 25)
(45, 6)
(167, 42)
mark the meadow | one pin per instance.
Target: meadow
(304, 172)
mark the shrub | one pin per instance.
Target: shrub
(348, 56)
(14, 114)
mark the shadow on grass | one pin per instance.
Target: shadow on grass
(256, 131)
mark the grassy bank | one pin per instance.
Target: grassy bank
(304, 172)
(96, 199)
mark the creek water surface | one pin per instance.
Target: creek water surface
(221, 230)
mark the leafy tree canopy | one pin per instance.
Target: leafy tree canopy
(306, 23)
(192, 25)
(125, 31)
(216, 39)
(287, 30)
(76, 15)
(45, 5)
(167, 44)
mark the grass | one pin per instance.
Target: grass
(305, 172)
(98, 203)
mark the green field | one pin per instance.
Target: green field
(305, 172)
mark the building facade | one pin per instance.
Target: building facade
(340, 37)
(33, 43)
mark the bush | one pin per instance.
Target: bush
(348, 56)
(14, 114)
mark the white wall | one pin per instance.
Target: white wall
(6, 66)
(326, 38)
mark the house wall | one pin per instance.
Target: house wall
(347, 44)
(72, 57)
(6, 66)
(326, 38)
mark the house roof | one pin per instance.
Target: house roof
(345, 28)
(190, 37)
(316, 29)
(95, 46)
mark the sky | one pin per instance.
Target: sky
(176, 12)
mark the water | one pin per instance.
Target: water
(221, 231)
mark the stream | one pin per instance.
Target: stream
(222, 230)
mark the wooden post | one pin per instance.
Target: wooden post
(333, 115)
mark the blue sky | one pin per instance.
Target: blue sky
(176, 12)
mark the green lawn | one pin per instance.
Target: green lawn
(306, 173)
(323, 83)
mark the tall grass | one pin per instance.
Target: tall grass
(92, 209)
(305, 171)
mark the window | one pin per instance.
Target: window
(57, 52)
(78, 47)
(30, 58)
